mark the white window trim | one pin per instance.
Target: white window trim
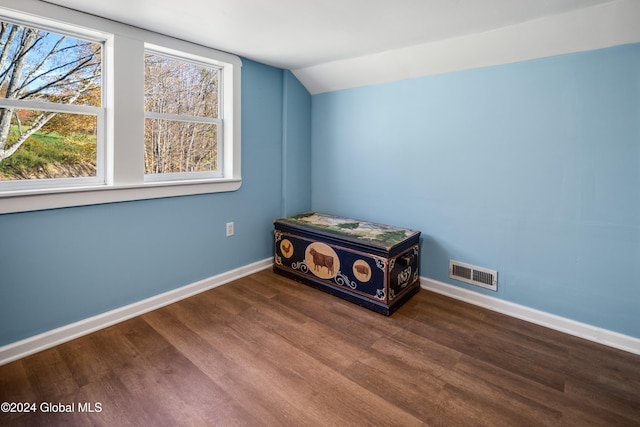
(124, 114)
(219, 121)
(35, 184)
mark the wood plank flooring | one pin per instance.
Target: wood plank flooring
(264, 350)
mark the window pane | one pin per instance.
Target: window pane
(44, 66)
(179, 146)
(172, 86)
(65, 147)
(38, 65)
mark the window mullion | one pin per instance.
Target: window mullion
(126, 154)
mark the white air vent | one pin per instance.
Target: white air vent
(475, 275)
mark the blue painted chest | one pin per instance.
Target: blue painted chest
(373, 265)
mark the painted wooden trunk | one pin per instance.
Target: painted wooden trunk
(373, 265)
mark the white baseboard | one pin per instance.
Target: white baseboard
(31, 345)
(562, 324)
(36, 343)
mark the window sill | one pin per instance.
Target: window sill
(34, 200)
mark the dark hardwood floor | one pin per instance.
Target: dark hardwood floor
(264, 350)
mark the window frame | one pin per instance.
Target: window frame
(33, 105)
(218, 121)
(122, 115)
(86, 110)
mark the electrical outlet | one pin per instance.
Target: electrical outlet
(229, 229)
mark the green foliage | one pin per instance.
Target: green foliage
(42, 150)
(348, 225)
(392, 237)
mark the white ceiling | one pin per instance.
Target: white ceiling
(303, 34)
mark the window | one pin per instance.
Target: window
(51, 120)
(182, 125)
(102, 112)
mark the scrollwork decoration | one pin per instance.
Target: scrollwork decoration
(302, 266)
(342, 280)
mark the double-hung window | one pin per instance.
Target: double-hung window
(183, 125)
(94, 111)
(51, 115)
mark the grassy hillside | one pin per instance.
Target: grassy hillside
(51, 155)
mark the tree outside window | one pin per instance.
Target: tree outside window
(50, 91)
(67, 138)
(182, 121)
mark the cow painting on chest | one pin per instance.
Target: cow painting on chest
(322, 260)
(373, 265)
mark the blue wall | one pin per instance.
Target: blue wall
(61, 266)
(296, 161)
(532, 169)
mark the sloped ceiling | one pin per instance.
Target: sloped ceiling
(335, 44)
